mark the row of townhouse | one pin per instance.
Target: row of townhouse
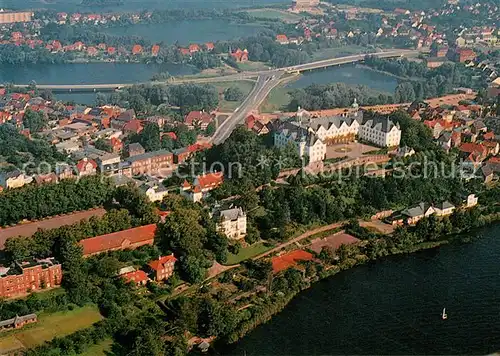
(414, 214)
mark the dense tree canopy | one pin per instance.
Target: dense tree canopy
(35, 202)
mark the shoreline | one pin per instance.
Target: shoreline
(361, 65)
(284, 300)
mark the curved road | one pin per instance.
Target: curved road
(267, 80)
(261, 89)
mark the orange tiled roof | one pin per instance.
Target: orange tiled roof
(83, 163)
(159, 263)
(118, 240)
(135, 276)
(210, 180)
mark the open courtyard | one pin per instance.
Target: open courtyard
(348, 150)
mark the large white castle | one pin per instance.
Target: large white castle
(311, 136)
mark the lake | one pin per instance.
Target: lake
(349, 74)
(88, 73)
(186, 32)
(134, 5)
(394, 306)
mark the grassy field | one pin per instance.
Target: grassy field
(245, 86)
(247, 252)
(277, 100)
(50, 326)
(274, 14)
(337, 52)
(101, 349)
(253, 66)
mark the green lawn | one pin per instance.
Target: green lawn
(253, 66)
(247, 252)
(277, 100)
(101, 349)
(50, 326)
(275, 14)
(337, 52)
(245, 86)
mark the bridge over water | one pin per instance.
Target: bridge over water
(233, 77)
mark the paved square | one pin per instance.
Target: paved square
(351, 150)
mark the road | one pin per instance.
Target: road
(261, 89)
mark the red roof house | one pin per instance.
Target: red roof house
(239, 55)
(116, 144)
(184, 51)
(155, 50)
(209, 180)
(198, 118)
(163, 267)
(209, 46)
(171, 134)
(111, 50)
(86, 167)
(137, 277)
(489, 135)
(127, 239)
(194, 48)
(136, 49)
(133, 126)
(92, 51)
(464, 54)
(282, 39)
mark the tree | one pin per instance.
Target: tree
(233, 93)
(149, 137)
(102, 144)
(129, 197)
(148, 343)
(210, 130)
(34, 120)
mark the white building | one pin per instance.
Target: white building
(154, 192)
(381, 131)
(232, 223)
(307, 143)
(312, 135)
(444, 209)
(471, 201)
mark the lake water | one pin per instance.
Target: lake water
(134, 5)
(394, 307)
(186, 32)
(88, 73)
(349, 74)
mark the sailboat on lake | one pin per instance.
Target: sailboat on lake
(444, 316)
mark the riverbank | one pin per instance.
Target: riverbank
(393, 306)
(274, 303)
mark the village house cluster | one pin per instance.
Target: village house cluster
(415, 27)
(73, 130)
(463, 129)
